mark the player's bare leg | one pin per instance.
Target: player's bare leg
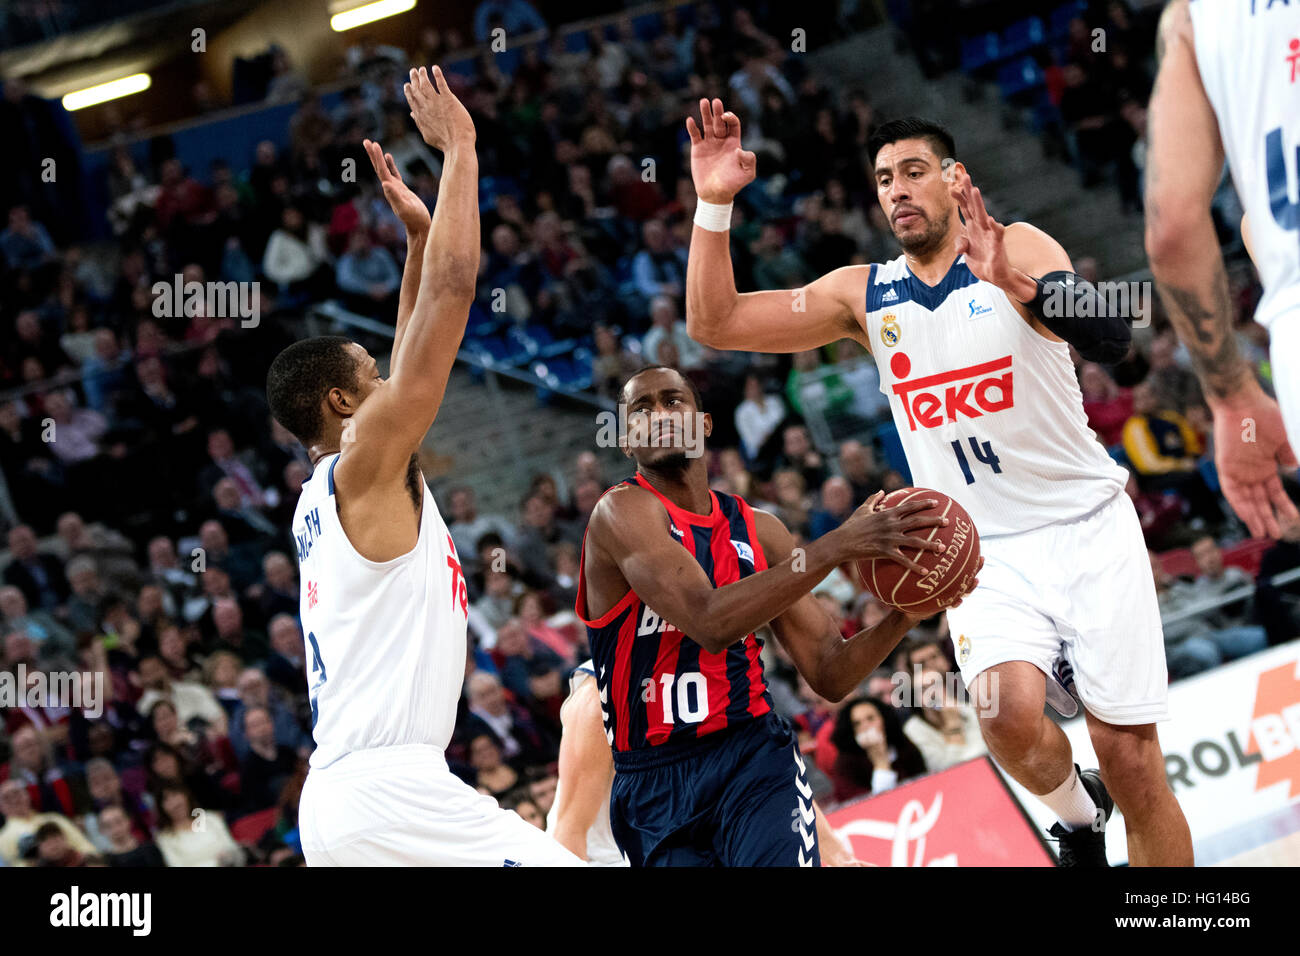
(1133, 769)
(1010, 698)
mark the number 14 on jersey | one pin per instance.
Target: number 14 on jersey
(982, 452)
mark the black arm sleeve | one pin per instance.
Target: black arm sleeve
(1071, 307)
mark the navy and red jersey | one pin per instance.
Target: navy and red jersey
(656, 684)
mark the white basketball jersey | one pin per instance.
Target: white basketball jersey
(602, 849)
(989, 411)
(1248, 53)
(385, 640)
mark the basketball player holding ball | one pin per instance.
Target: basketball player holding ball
(969, 329)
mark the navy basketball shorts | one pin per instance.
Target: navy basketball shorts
(741, 799)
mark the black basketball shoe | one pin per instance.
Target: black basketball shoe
(1087, 845)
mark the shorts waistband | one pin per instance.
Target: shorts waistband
(370, 757)
(647, 758)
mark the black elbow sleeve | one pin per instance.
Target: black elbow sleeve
(1071, 307)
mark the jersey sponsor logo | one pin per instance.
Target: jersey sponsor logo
(743, 550)
(889, 330)
(313, 594)
(676, 530)
(306, 536)
(652, 623)
(459, 592)
(978, 308)
(1294, 59)
(971, 392)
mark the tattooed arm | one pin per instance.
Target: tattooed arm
(1184, 166)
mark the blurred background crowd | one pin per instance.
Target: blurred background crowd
(148, 495)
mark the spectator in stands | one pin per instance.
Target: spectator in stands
(492, 775)
(296, 257)
(872, 752)
(467, 525)
(528, 668)
(1107, 405)
(22, 821)
(757, 417)
(50, 637)
(667, 327)
(836, 506)
(368, 276)
(39, 576)
(660, 267)
(254, 689)
(944, 727)
(1233, 630)
(612, 363)
(190, 700)
(26, 244)
(193, 836)
(285, 665)
(267, 766)
(121, 845)
(517, 734)
(1164, 449)
(798, 454)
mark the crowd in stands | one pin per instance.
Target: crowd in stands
(149, 495)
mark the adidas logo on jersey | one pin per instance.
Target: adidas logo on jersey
(972, 392)
(889, 296)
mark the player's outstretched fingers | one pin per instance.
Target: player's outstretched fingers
(898, 557)
(693, 131)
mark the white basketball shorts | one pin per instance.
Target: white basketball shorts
(402, 806)
(1082, 589)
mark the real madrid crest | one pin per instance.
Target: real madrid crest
(889, 330)
(963, 649)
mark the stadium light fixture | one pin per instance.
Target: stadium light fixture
(103, 92)
(369, 13)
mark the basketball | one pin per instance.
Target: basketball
(950, 570)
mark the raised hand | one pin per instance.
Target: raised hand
(981, 242)
(406, 205)
(1248, 470)
(441, 118)
(719, 167)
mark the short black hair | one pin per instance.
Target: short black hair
(300, 378)
(695, 392)
(912, 127)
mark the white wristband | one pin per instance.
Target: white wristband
(712, 216)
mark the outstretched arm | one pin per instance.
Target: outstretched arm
(410, 209)
(393, 421)
(586, 769)
(787, 320)
(1184, 165)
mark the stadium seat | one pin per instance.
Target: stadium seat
(1179, 563)
(979, 51)
(248, 830)
(1022, 36)
(1018, 77)
(1247, 555)
(1058, 24)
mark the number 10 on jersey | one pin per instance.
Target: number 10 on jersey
(982, 452)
